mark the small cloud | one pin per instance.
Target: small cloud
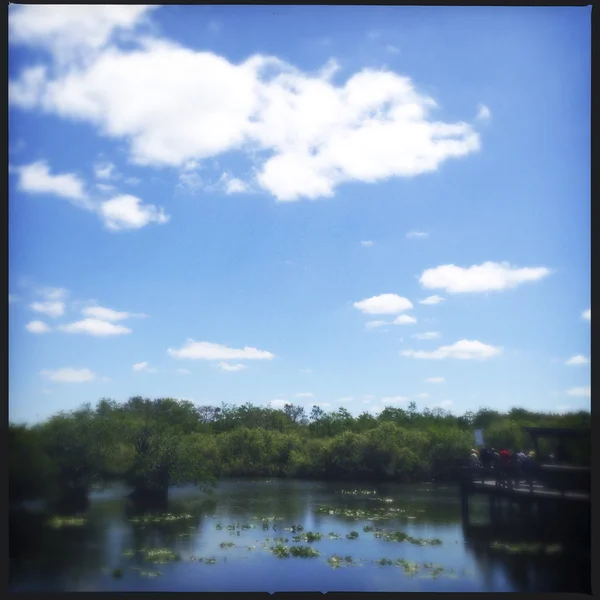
(428, 335)
(432, 300)
(445, 404)
(104, 170)
(422, 395)
(128, 212)
(105, 187)
(578, 359)
(278, 403)
(417, 235)
(392, 49)
(483, 113)
(367, 243)
(345, 399)
(107, 314)
(208, 351)
(95, 327)
(235, 186)
(231, 368)
(486, 277)
(394, 400)
(587, 314)
(383, 304)
(184, 371)
(404, 320)
(52, 309)
(68, 375)
(461, 350)
(143, 366)
(37, 327)
(375, 324)
(435, 380)
(133, 180)
(305, 395)
(582, 392)
(52, 293)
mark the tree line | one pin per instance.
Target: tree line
(153, 444)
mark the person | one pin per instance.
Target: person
(504, 466)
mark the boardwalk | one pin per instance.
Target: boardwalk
(536, 491)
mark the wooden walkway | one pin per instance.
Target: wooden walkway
(523, 490)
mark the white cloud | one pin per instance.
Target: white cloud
(419, 235)
(486, 277)
(95, 327)
(51, 293)
(587, 314)
(133, 180)
(435, 380)
(432, 300)
(107, 314)
(209, 351)
(375, 324)
(404, 320)
(235, 186)
(308, 134)
(143, 366)
(37, 327)
(367, 243)
(384, 304)
(105, 187)
(428, 335)
(462, 350)
(322, 404)
(445, 404)
(422, 395)
(104, 170)
(345, 399)
(184, 371)
(66, 29)
(483, 113)
(52, 309)
(583, 392)
(127, 212)
(36, 178)
(231, 368)
(305, 395)
(578, 359)
(278, 403)
(394, 400)
(68, 375)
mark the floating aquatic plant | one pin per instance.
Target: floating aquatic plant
(128, 553)
(160, 518)
(304, 552)
(382, 562)
(352, 535)
(334, 536)
(150, 573)
(281, 540)
(117, 573)
(57, 522)
(280, 551)
(226, 544)
(307, 537)
(294, 528)
(336, 561)
(367, 529)
(160, 555)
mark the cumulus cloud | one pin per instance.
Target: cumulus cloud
(118, 213)
(417, 235)
(68, 375)
(375, 324)
(428, 335)
(582, 392)
(128, 212)
(461, 350)
(578, 359)
(486, 277)
(107, 314)
(367, 243)
(36, 178)
(384, 304)
(234, 185)
(95, 327)
(308, 134)
(37, 327)
(483, 113)
(52, 293)
(305, 395)
(52, 309)
(209, 351)
(432, 300)
(394, 400)
(143, 366)
(435, 380)
(587, 314)
(230, 367)
(404, 320)
(104, 170)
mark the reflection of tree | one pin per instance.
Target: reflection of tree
(564, 571)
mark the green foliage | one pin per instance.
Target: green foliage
(152, 444)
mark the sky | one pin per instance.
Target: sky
(351, 207)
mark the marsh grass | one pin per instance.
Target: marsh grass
(309, 536)
(304, 552)
(160, 555)
(159, 519)
(57, 522)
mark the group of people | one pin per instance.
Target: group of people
(509, 466)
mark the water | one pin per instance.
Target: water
(84, 557)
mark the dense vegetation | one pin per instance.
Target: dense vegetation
(151, 445)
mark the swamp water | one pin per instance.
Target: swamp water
(282, 535)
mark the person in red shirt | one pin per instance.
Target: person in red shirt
(504, 466)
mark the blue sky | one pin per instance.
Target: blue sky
(233, 204)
